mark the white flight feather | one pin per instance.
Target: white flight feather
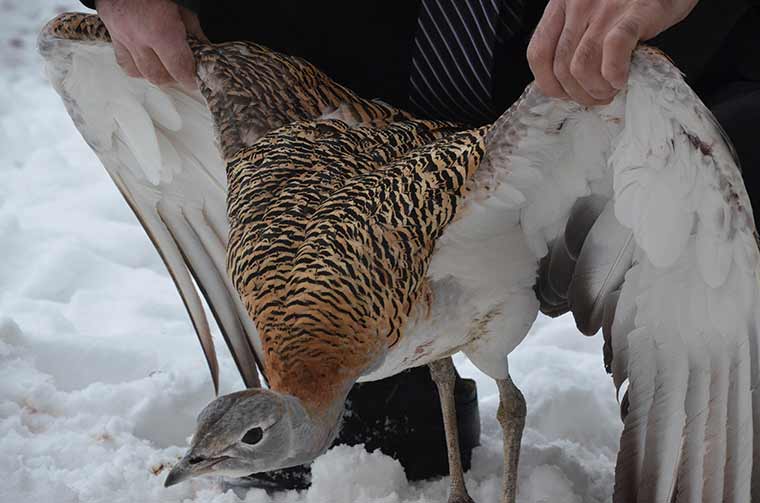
(684, 332)
(158, 146)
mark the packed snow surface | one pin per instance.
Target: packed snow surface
(101, 376)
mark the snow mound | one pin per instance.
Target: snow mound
(353, 475)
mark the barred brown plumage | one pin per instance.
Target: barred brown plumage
(361, 241)
(321, 247)
(325, 199)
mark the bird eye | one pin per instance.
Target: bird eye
(195, 460)
(253, 436)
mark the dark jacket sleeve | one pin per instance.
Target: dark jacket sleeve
(193, 5)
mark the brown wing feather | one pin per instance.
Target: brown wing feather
(77, 26)
(251, 90)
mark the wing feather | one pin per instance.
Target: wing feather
(158, 146)
(638, 211)
(606, 255)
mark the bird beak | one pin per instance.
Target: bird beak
(181, 471)
(185, 470)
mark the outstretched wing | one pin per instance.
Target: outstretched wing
(158, 146)
(166, 149)
(643, 228)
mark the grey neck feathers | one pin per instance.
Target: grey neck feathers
(312, 434)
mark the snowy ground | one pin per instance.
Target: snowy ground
(101, 376)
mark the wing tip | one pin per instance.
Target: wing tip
(213, 367)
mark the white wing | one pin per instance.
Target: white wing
(158, 146)
(639, 216)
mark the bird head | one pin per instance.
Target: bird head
(253, 431)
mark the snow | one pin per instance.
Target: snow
(101, 376)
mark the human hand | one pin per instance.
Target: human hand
(581, 49)
(150, 39)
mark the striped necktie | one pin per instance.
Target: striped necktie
(453, 57)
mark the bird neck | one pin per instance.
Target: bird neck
(318, 374)
(313, 432)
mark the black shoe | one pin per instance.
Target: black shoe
(401, 416)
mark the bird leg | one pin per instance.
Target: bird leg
(511, 417)
(444, 375)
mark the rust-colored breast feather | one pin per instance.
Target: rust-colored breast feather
(332, 229)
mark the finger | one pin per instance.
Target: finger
(541, 49)
(586, 65)
(124, 59)
(617, 49)
(574, 28)
(177, 59)
(150, 67)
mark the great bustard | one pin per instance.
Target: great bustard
(360, 241)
